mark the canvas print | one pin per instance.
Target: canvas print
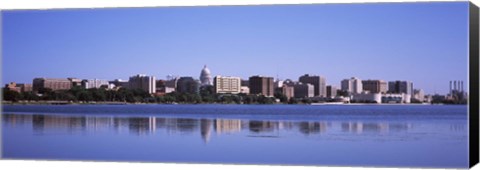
(369, 84)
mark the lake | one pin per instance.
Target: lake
(330, 135)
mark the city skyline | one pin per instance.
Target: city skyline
(382, 40)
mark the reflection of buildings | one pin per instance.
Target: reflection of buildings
(312, 127)
(205, 129)
(359, 127)
(262, 126)
(227, 126)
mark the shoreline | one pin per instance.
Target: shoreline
(126, 103)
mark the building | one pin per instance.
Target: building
(366, 97)
(187, 85)
(352, 85)
(418, 95)
(95, 83)
(331, 91)
(374, 86)
(51, 83)
(318, 83)
(244, 89)
(119, 83)
(223, 84)
(288, 91)
(205, 77)
(302, 90)
(75, 82)
(261, 85)
(244, 83)
(12, 86)
(144, 82)
(400, 87)
(396, 98)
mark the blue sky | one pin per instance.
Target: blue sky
(426, 43)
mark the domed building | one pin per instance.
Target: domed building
(205, 77)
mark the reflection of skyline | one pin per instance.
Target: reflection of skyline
(45, 124)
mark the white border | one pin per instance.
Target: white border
(74, 165)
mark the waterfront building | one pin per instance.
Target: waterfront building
(396, 98)
(25, 87)
(51, 83)
(352, 85)
(331, 91)
(400, 87)
(12, 86)
(225, 84)
(188, 85)
(205, 77)
(244, 90)
(172, 83)
(374, 86)
(318, 83)
(119, 83)
(302, 90)
(288, 91)
(95, 83)
(144, 82)
(261, 85)
(366, 97)
(75, 82)
(418, 95)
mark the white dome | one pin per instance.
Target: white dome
(205, 77)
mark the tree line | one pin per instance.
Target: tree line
(205, 95)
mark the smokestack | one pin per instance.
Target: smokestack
(450, 86)
(455, 85)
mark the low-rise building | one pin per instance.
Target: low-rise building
(51, 83)
(366, 97)
(331, 91)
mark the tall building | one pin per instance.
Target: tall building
(51, 83)
(94, 83)
(261, 85)
(223, 84)
(188, 85)
(302, 90)
(374, 86)
(331, 91)
(144, 82)
(352, 85)
(318, 83)
(205, 77)
(400, 87)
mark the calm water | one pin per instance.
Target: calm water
(370, 135)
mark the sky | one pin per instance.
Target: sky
(426, 43)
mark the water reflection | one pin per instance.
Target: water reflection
(45, 124)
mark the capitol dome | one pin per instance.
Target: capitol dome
(205, 77)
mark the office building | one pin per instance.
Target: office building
(318, 83)
(352, 85)
(261, 85)
(51, 83)
(400, 87)
(188, 85)
(331, 91)
(144, 82)
(288, 91)
(418, 95)
(224, 84)
(375, 86)
(302, 90)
